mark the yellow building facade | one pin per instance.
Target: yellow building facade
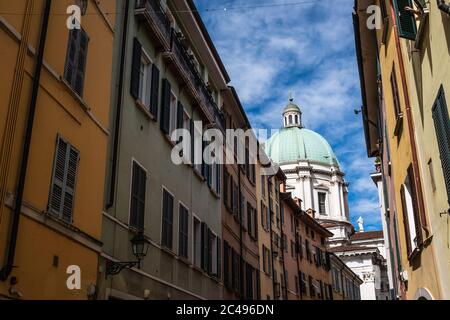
(402, 77)
(49, 248)
(270, 233)
(426, 59)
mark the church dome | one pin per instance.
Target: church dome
(293, 144)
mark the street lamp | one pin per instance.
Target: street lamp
(139, 245)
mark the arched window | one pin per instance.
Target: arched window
(296, 119)
(290, 119)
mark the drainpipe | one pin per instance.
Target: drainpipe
(443, 6)
(415, 162)
(112, 190)
(5, 272)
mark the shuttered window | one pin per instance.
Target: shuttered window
(442, 127)
(411, 219)
(167, 220)
(226, 265)
(65, 169)
(395, 94)
(165, 106)
(138, 190)
(74, 71)
(144, 79)
(226, 178)
(183, 231)
(406, 21)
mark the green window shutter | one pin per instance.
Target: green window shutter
(154, 91)
(406, 21)
(167, 230)
(442, 127)
(180, 114)
(74, 71)
(219, 257)
(421, 3)
(65, 169)
(165, 112)
(138, 190)
(183, 231)
(135, 68)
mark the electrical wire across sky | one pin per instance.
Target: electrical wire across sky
(223, 8)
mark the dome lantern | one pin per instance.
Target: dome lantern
(292, 115)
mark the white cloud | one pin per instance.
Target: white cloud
(307, 49)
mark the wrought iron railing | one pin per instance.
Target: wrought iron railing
(188, 66)
(157, 16)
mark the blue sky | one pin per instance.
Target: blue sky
(272, 47)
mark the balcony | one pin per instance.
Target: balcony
(153, 14)
(184, 65)
(174, 51)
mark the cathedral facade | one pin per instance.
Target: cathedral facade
(314, 177)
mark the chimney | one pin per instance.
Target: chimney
(311, 213)
(298, 202)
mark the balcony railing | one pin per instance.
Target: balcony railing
(184, 62)
(152, 12)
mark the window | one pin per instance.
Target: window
(303, 284)
(145, 75)
(296, 284)
(290, 119)
(308, 251)
(252, 223)
(292, 249)
(74, 71)
(431, 172)
(198, 135)
(236, 271)
(406, 20)
(144, 79)
(312, 290)
(169, 110)
(213, 254)
(226, 186)
(249, 282)
(395, 94)
(173, 112)
(411, 216)
(267, 261)
(263, 186)
(65, 170)
(227, 265)
(197, 243)
(183, 231)
(322, 203)
(442, 128)
(138, 190)
(167, 220)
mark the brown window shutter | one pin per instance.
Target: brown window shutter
(405, 220)
(417, 215)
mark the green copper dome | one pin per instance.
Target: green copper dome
(296, 144)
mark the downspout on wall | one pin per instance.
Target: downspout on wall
(118, 116)
(5, 272)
